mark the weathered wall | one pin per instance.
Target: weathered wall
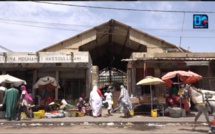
(73, 44)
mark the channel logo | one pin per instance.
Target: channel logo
(200, 21)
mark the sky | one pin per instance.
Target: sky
(31, 26)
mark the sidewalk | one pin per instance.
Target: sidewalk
(115, 119)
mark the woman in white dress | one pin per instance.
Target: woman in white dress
(96, 102)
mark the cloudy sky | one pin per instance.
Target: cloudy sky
(31, 26)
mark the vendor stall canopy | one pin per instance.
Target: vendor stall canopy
(11, 80)
(48, 82)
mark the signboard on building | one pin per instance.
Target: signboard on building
(21, 57)
(80, 57)
(55, 57)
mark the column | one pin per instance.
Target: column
(56, 89)
(88, 81)
(95, 75)
(35, 74)
(133, 77)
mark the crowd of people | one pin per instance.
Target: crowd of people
(16, 100)
(96, 101)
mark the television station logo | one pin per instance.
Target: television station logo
(200, 21)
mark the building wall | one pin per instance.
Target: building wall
(153, 45)
(73, 44)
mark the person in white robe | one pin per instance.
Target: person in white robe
(124, 99)
(96, 102)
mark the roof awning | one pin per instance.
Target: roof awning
(197, 63)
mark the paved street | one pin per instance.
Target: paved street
(111, 124)
(169, 128)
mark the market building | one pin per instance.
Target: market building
(96, 54)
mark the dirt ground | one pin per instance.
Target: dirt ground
(104, 129)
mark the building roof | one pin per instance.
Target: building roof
(112, 41)
(4, 49)
(120, 27)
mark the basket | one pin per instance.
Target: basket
(89, 112)
(80, 114)
(74, 113)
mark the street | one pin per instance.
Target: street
(111, 128)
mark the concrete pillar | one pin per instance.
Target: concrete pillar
(35, 75)
(133, 77)
(95, 75)
(57, 79)
(88, 81)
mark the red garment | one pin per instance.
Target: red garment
(170, 101)
(186, 105)
(99, 92)
(176, 99)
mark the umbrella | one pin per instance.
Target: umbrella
(186, 77)
(149, 80)
(48, 82)
(11, 80)
(192, 79)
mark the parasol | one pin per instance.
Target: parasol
(11, 80)
(149, 80)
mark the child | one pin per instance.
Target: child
(108, 98)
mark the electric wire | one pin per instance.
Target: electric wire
(99, 32)
(126, 9)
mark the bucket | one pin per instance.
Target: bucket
(23, 115)
(42, 113)
(154, 113)
(132, 112)
(37, 115)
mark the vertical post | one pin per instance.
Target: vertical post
(144, 69)
(56, 89)
(87, 81)
(35, 75)
(133, 76)
(209, 75)
(110, 75)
